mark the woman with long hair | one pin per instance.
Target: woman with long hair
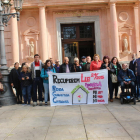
(76, 67)
(96, 63)
(45, 76)
(111, 69)
(117, 66)
(26, 84)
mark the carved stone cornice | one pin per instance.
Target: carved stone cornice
(75, 13)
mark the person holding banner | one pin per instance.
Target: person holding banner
(96, 63)
(111, 69)
(76, 67)
(118, 68)
(66, 66)
(45, 76)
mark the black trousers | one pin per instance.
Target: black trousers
(115, 86)
(18, 93)
(110, 88)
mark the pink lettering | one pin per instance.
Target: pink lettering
(96, 77)
(86, 79)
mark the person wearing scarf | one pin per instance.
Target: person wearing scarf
(45, 76)
(36, 68)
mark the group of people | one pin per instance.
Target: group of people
(28, 81)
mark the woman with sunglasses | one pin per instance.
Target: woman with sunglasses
(76, 67)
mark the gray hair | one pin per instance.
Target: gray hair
(76, 59)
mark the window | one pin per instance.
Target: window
(69, 32)
(85, 31)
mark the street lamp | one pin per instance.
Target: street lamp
(7, 97)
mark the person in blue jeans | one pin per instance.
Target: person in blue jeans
(26, 84)
(45, 76)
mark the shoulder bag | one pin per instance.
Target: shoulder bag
(113, 77)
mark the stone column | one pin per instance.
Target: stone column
(14, 39)
(114, 30)
(136, 28)
(43, 33)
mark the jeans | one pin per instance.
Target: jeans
(26, 92)
(46, 91)
(115, 86)
(37, 83)
(131, 85)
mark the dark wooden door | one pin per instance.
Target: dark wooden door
(80, 34)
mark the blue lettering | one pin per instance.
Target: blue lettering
(61, 101)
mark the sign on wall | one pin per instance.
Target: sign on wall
(79, 88)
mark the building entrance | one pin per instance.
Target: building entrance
(78, 40)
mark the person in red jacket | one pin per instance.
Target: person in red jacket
(96, 63)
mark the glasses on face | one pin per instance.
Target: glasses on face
(75, 61)
(57, 62)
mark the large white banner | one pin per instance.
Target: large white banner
(79, 88)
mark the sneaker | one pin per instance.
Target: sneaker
(46, 103)
(24, 104)
(40, 103)
(34, 103)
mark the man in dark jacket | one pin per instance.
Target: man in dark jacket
(126, 77)
(132, 64)
(86, 67)
(15, 82)
(66, 66)
(137, 73)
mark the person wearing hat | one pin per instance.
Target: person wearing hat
(83, 62)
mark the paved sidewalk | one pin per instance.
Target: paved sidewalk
(82, 122)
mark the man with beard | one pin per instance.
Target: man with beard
(126, 78)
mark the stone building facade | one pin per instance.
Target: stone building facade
(58, 28)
